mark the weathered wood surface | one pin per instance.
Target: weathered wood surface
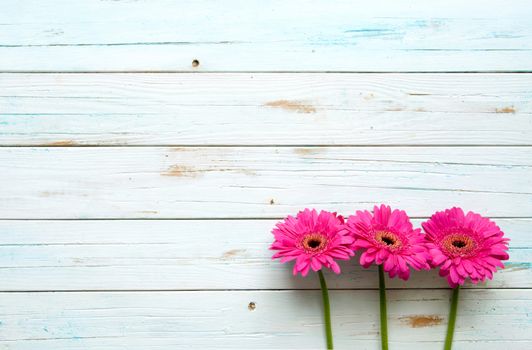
(191, 255)
(416, 35)
(489, 319)
(265, 109)
(259, 182)
(136, 207)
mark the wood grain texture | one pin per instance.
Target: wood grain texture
(154, 234)
(259, 182)
(489, 319)
(192, 255)
(415, 35)
(265, 109)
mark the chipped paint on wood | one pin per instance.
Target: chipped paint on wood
(230, 254)
(190, 171)
(188, 112)
(419, 321)
(51, 193)
(239, 181)
(237, 250)
(308, 150)
(181, 171)
(325, 37)
(510, 109)
(250, 319)
(204, 286)
(292, 106)
(62, 143)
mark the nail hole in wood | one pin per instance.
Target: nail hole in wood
(251, 306)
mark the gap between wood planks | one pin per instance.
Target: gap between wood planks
(263, 218)
(243, 290)
(73, 144)
(524, 71)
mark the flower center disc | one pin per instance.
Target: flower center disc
(314, 242)
(388, 239)
(459, 244)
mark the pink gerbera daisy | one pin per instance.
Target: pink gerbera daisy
(313, 240)
(465, 246)
(388, 238)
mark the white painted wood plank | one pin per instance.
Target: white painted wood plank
(265, 109)
(488, 319)
(253, 182)
(416, 35)
(192, 255)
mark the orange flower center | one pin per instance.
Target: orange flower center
(388, 239)
(314, 242)
(458, 244)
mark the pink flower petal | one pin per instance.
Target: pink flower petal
(465, 245)
(326, 233)
(387, 237)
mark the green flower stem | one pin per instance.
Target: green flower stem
(384, 320)
(452, 319)
(326, 310)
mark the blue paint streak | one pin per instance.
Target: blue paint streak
(385, 33)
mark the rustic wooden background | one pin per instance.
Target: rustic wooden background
(148, 147)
